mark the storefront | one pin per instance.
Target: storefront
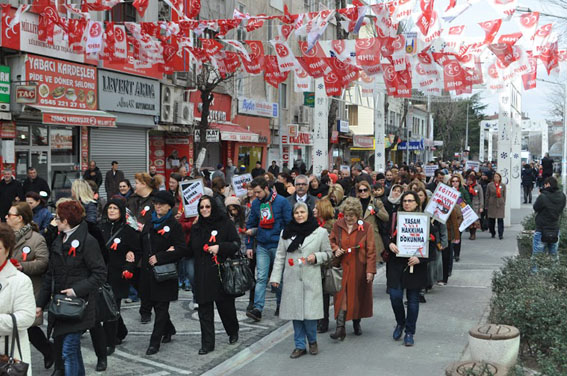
(171, 147)
(297, 146)
(53, 111)
(362, 150)
(135, 101)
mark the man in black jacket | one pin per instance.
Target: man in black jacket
(112, 180)
(547, 166)
(258, 171)
(528, 179)
(34, 183)
(10, 190)
(548, 207)
(93, 173)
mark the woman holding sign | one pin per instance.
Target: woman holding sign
(495, 201)
(405, 273)
(352, 241)
(477, 199)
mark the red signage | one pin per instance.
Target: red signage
(302, 138)
(74, 119)
(134, 66)
(84, 148)
(157, 153)
(63, 84)
(8, 129)
(26, 94)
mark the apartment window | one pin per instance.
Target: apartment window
(240, 87)
(352, 115)
(307, 5)
(283, 93)
(123, 12)
(241, 30)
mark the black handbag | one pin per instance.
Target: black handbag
(8, 365)
(66, 308)
(550, 236)
(165, 272)
(236, 276)
(106, 308)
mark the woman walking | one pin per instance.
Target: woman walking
(305, 246)
(32, 258)
(16, 299)
(408, 274)
(122, 246)
(76, 269)
(495, 202)
(41, 215)
(477, 198)
(163, 243)
(213, 238)
(352, 241)
(374, 213)
(457, 184)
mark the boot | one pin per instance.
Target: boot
(473, 234)
(340, 332)
(356, 326)
(323, 326)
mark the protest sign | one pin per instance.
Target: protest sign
(240, 183)
(192, 190)
(430, 170)
(472, 165)
(442, 202)
(469, 217)
(345, 168)
(412, 236)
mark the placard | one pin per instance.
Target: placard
(412, 236)
(469, 217)
(430, 170)
(239, 183)
(442, 202)
(345, 168)
(191, 190)
(472, 165)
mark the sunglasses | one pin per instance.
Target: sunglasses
(455, 181)
(363, 190)
(205, 207)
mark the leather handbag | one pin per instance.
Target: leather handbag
(236, 276)
(165, 272)
(106, 308)
(333, 281)
(550, 236)
(9, 366)
(66, 308)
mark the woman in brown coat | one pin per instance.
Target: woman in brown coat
(454, 236)
(352, 241)
(495, 202)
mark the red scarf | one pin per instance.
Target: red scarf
(321, 222)
(472, 190)
(498, 190)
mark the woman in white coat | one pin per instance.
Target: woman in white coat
(303, 247)
(16, 297)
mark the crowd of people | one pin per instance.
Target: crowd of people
(294, 227)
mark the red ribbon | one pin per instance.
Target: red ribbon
(321, 222)
(320, 195)
(13, 261)
(241, 230)
(248, 205)
(114, 246)
(215, 260)
(498, 191)
(432, 237)
(73, 251)
(161, 232)
(372, 211)
(341, 215)
(24, 256)
(361, 227)
(127, 275)
(144, 211)
(206, 248)
(212, 239)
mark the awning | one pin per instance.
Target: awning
(71, 116)
(233, 132)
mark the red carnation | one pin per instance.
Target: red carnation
(290, 262)
(206, 248)
(127, 275)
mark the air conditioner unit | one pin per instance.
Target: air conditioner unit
(167, 103)
(187, 113)
(181, 78)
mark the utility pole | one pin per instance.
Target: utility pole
(564, 158)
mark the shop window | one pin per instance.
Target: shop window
(64, 146)
(352, 115)
(22, 135)
(248, 156)
(39, 135)
(123, 12)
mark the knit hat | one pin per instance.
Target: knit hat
(231, 200)
(163, 197)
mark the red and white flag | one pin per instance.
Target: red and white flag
(491, 28)
(302, 81)
(286, 59)
(94, 38)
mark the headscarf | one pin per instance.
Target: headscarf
(215, 216)
(299, 231)
(392, 200)
(121, 203)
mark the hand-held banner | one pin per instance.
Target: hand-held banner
(191, 190)
(442, 202)
(412, 236)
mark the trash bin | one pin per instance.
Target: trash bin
(475, 368)
(495, 343)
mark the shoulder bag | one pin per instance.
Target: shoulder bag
(165, 272)
(550, 236)
(236, 275)
(8, 365)
(66, 308)
(106, 308)
(333, 280)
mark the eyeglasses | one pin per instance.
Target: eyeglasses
(205, 207)
(363, 190)
(12, 215)
(408, 201)
(300, 183)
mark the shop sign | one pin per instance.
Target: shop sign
(62, 84)
(157, 153)
(342, 126)
(8, 129)
(26, 94)
(81, 120)
(240, 137)
(130, 94)
(212, 135)
(309, 98)
(4, 86)
(413, 145)
(293, 130)
(247, 106)
(302, 138)
(363, 142)
(335, 137)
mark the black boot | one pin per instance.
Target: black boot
(340, 332)
(357, 328)
(323, 326)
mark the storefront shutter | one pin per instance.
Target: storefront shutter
(127, 145)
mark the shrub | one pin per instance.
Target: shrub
(534, 303)
(529, 222)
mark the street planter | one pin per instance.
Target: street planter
(495, 343)
(472, 368)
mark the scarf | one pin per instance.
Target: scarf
(394, 201)
(498, 190)
(157, 222)
(364, 202)
(267, 214)
(22, 232)
(472, 191)
(297, 232)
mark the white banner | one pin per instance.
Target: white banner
(192, 190)
(472, 165)
(505, 143)
(94, 38)
(442, 202)
(239, 184)
(469, 217)
(412, 236)
(379, 147)
(320, 152)
(430, 170)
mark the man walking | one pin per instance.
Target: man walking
(34, 183)
(258, 170)
(230, 170)
(270, 213)
(10, 190)
(93, 173)
(112, 180)
(528, 179)
(274, 169)
(301, 193)
(548, 207)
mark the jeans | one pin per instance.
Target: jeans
(133, 294)
(264, 260)
(540, 247)
(187, 271)
(304, 328)
(72, 356)
(396, 298)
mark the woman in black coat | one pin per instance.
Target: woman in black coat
(399, 277)
(77, 269)
(163, 242)
(122, 248)
(213, 238)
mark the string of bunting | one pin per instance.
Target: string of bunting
(437, 55)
